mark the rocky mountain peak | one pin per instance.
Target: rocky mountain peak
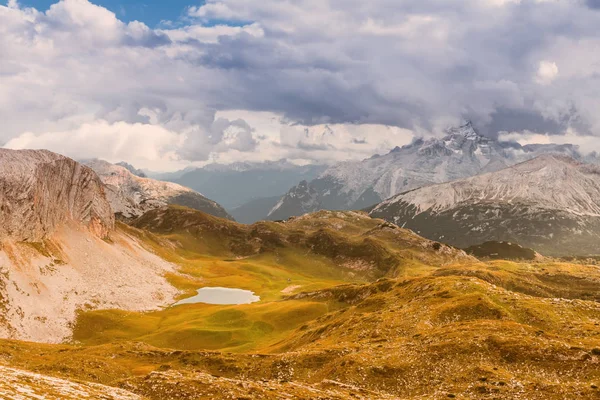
(41, 190)
(462, 153)
(466, 131)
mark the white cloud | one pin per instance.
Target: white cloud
(547, 72)
(213, 10)
(359, 67)
(213, 33)
(413, 26)
(148, 146)
(586, 143)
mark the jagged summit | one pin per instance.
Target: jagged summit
(461, 153)
(466, 131)
(132, 169)
(41, 190)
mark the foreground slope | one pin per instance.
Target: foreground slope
(466, 330)
(17, 384)
(551, 204)
(461, 153)
(60, 251)
(131, 195)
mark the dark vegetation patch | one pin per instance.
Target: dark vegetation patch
(501, 251)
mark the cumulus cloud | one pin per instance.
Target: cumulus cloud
(375, 68)
(144, 144)
(546, 73)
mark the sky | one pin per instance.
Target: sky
(150, 12)
(168, 84)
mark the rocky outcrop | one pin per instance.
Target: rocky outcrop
(56, 255)
(131, 196)
(20, 384)
(41, 190)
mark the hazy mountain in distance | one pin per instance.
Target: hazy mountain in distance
(254, 210)
(168, 176)
(550, 204)
(359, 184)
(236, 184)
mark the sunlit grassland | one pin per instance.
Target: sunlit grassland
(214, 327)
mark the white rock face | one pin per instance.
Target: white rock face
(41, 291)
(17, 384)
(131, 196)
(40, 190)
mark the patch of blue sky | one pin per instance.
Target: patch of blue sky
(154, 13)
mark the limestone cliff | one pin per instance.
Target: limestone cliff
(41, 190)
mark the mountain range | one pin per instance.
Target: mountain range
(550, 203)
(461, 153)
(235, 185)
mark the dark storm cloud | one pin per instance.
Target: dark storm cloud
(405, 64)
(593, 3)
(506, 120)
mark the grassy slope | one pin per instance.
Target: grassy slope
(431, 324)
(307, 254)
(448, 333)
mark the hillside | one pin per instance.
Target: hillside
(350, 245)
(60, 251)
(349, 307)
(255, 210)
(550, 204)
(464, 330)
(460, 154)
(131, 195)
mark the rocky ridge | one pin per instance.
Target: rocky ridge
(61, 252)
(550, 203)
(131, 196)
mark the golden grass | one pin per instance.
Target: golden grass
(436, 325)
